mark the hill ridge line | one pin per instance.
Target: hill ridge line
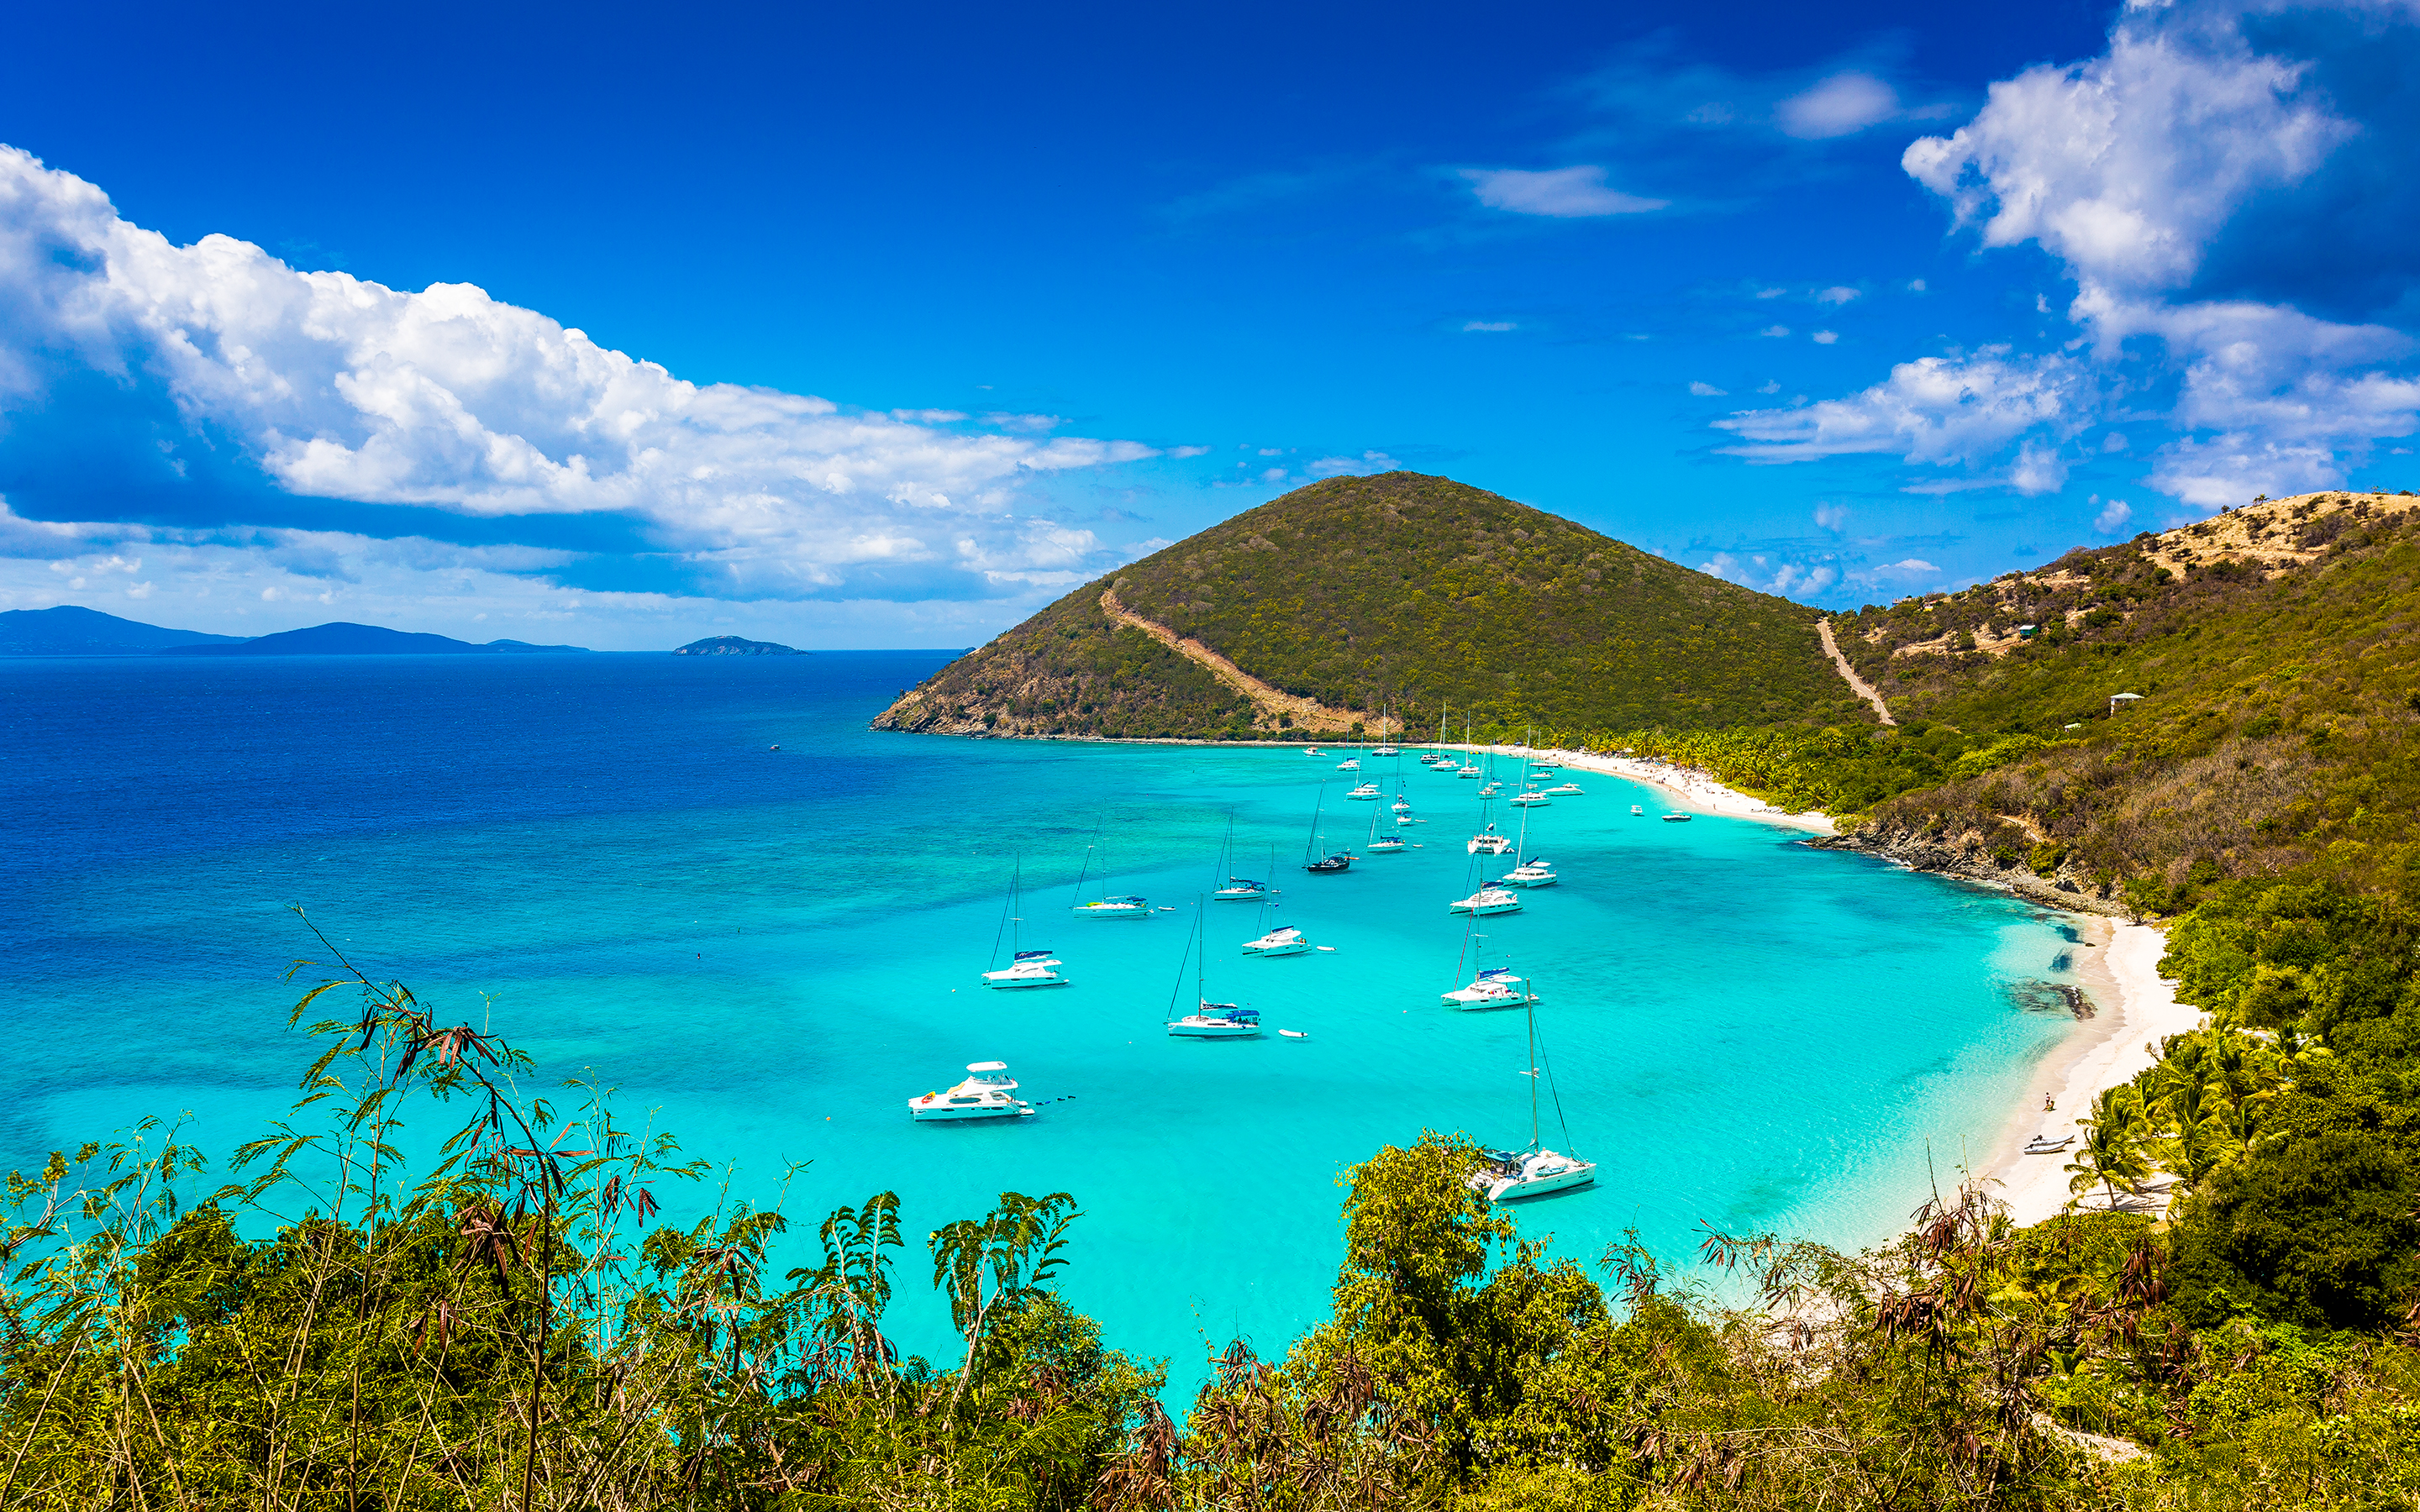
(1308, 714)
(1858, 684)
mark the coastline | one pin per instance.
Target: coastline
(2137, 1009)
(1691, 789)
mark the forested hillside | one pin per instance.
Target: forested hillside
(1405, 591)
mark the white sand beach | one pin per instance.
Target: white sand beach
(2137, 1009)
(1692, 791)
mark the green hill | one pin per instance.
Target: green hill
(1412, 593)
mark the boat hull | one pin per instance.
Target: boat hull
(1468, 1001)
(1002, 981)
(1538, 1186)
(967, 1115)
(1212, 1031)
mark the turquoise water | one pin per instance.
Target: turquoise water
(772, 951)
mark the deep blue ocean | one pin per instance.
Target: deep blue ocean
(769, 951)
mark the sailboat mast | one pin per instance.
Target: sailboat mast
(1016, 934)
(1533, 1065)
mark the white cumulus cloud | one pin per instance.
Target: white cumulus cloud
(446, 399)
(1707, 390)
(1936, 409)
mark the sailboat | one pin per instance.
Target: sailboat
(1111, 906)
(1240, 889)
(1509, 1175)
(1312, 859)
(1278, 940)
(1530, 872)
(1209, 1021)
(1492, 987)
(1025, 968)
(1377, 842)
(1384, 747)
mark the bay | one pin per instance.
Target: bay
(767, 952)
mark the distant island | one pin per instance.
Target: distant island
(343, 640)
(68, 630)
(732, 645)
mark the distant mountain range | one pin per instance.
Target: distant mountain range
(70, 631)
(732, 645)
(343, 640)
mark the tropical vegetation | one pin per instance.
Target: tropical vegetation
(1414, 595)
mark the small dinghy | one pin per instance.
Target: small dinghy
(2044, 1145)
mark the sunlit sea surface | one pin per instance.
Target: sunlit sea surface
(769, 951)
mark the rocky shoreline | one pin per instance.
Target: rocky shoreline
(1972, 855)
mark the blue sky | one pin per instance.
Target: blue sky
(881, 326)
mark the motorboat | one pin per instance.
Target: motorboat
(1563, 790)
(1366, 793)
(1312, 750)
(984, 1094)
(1218, 1020)
(1489, 842)
(1241, 890)
(1637, 812)
(1509, 1175)
(1488, 899)
(1534, 873)
(1028, 968)
(1287, 940)
(1677, 818)
(1495, 987)
(1544, 769)
(1530, 799)
(1350, 763)
(1121, 906)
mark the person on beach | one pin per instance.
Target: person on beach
(2049, 1107)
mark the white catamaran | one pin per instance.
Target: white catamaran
(1025, 968)
(1509, 1175)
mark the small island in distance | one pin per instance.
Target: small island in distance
(732, 645)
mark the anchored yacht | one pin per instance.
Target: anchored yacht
(1284, 941)
(1495, 987)
(1534, 873)
(1508, 1175)
(1028, 968)
(984, 1094)
(1488, 899)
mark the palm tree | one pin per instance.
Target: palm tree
(2112, 1153)
(2189, 1104)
